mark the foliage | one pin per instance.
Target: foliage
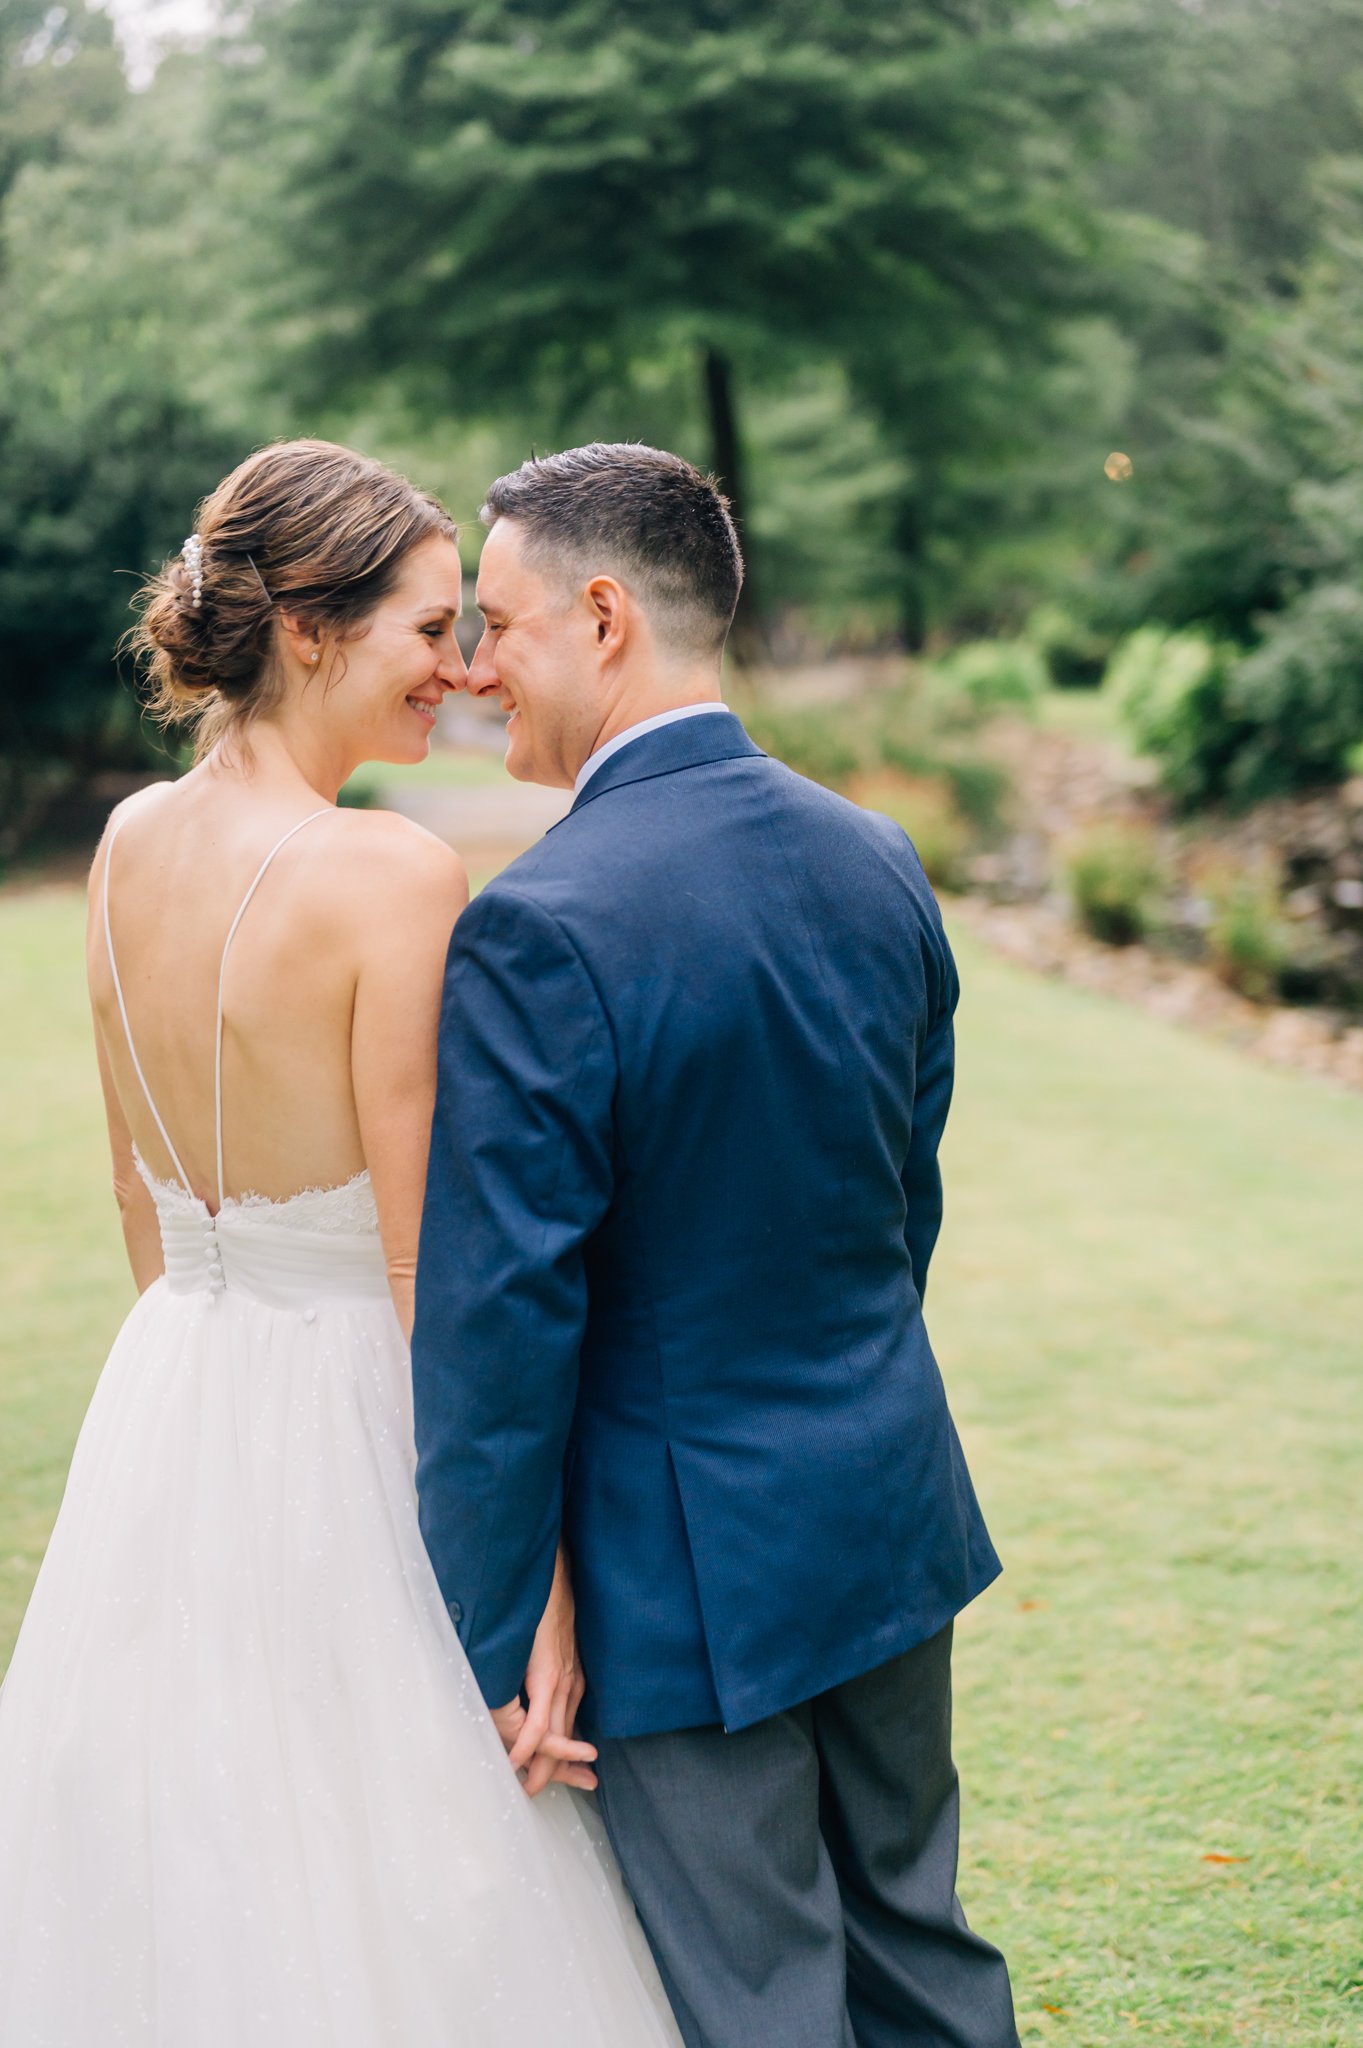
(59, 74)
(1170, 690)
(1075, 652)
(761, 186)
(88, 497)
(1296, 702)
(987, 676)
(817, 740)
(1248, 939)
(904, 276)
(1261, 538)
(925, 808)
(105, 446)
(900, 730)
(1115, 873)
(1226, 132)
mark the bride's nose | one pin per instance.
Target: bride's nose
(453, 673)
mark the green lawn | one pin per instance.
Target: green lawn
(443, 768)
(1148, 1302)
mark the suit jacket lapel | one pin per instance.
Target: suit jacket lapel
(691, 742)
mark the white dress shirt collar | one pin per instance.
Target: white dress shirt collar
(635, 732)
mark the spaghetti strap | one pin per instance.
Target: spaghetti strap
(222, 974)
(123, 1013)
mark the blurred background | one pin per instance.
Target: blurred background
(1026, 337)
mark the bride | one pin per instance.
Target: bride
(250, 1796)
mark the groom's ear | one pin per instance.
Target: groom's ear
(608, 603)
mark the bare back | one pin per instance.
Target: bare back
(329, 992)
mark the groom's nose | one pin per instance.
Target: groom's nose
(482, 670)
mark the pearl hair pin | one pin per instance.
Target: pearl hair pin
(193, 552)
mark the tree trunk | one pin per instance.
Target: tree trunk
(726, 460)
(910, 545)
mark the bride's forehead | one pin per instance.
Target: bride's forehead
(431, 575)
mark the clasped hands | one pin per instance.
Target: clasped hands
(539, 1738)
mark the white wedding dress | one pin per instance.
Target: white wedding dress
(250, 1796)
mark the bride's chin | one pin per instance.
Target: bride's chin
(404, 753)
(415, 744)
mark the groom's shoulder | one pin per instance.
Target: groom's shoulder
(633, 835)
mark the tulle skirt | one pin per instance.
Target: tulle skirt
(249, 1793)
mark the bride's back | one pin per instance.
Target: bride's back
(180, 862)
(306, 626)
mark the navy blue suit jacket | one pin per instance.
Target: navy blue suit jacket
(695, 1060)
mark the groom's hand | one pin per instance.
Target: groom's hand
(540, 1740)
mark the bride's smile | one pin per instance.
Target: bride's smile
(382, 686)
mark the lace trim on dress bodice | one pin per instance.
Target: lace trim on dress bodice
(346, 1210)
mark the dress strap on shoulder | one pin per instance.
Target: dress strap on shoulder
(123, 1012)
(222, 975)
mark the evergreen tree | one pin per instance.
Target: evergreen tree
(500, 198)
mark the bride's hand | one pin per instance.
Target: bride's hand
(540, 1742)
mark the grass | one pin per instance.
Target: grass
(1147, 1302)
(443, 768)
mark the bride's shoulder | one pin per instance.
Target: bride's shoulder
(378, 857)
(141, 803)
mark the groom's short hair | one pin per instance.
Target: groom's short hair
(619, 508)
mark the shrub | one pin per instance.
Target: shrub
(1297, 700)
(1115, 874)
(903, 734)
(979, 787)
(925, 808)
(1247, 936)
(946, 795)
(826, 742)
(974, 682)
(1226, 725)
(1075, 654)
(1170, 691)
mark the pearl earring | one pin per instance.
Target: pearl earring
(316, 654)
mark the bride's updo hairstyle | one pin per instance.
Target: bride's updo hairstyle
(305, 527)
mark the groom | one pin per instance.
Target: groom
(695, 1061)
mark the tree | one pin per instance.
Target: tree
(1221, 130)
(58, 70)
(107, 435)
(88, 498)
(497, 200)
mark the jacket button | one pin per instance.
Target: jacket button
(456, 1612)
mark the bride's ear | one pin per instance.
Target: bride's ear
(302, 639)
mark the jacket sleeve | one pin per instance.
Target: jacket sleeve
(520, 1175)
(933, 1078)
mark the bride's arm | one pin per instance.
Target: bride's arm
(407, 889)
(137, 1211)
